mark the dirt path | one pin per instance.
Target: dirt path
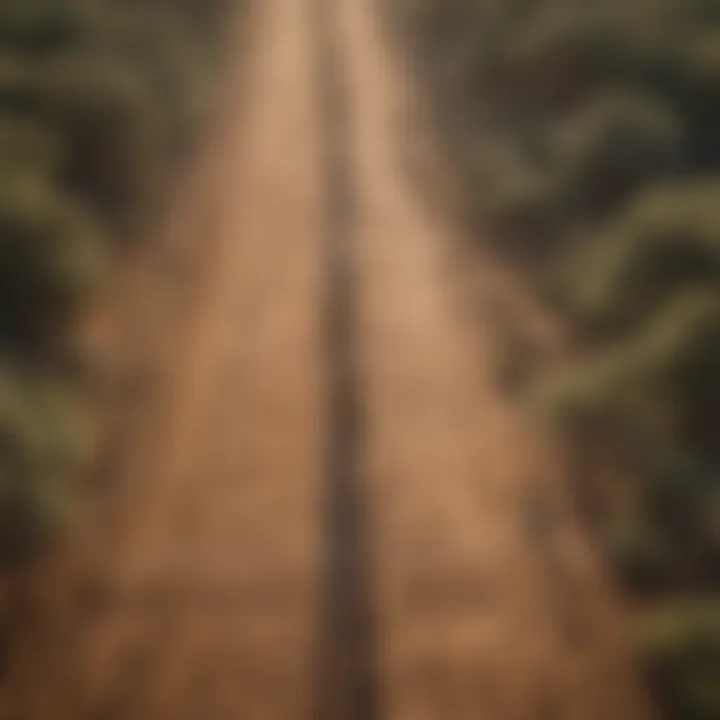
(246, 396)
(332, 509)
(211, 603)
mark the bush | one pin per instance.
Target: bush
(42, 443)
(643, 555)
(611, 146)
(28, 147)
(666, 242)
(50, 259)
(514, 196)
(681, 648)
(105, 114)
(41, 27)
(663, 381)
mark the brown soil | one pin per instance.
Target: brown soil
(484, 597)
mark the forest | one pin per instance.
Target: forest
(586, 137)
(98, 100)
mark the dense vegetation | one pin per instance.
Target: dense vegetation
(587, 133)
(96, 99)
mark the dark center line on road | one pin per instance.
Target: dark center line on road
(347, 687)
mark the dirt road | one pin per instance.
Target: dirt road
(332, 509)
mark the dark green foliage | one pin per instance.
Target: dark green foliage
(50, 258)
(96, 99)
(41, 442)
(104, 112)
(667, 241)
(612, 145)
(41, 26)
(681, 647)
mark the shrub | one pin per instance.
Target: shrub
(40, 27)
(29, 147)
(514, 196)
(612, 145)
(105, 115)
(42, 443)
(665, 242)
(643, 555)
(681, 648)
(50, 258)
(662, 381)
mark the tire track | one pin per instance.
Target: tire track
(347, 681)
